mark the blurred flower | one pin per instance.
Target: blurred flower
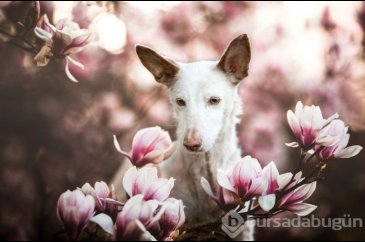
(173, 216)
(150, 145)
(293, 201)
(337, 129)
(74, 210)
(103, 196)
(306, 123)
(61, 41)
(136, 218)
(145, 181)
(4, 3)
(111, 32)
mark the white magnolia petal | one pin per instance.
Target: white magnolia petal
(328, 140)
(292, 144)
(76, 63)
(104, 221)
(348, 152)
(42, 34)
(206, 187)
(129, 179)
(223, 181)
(68, 73)
(267, 202)
(284, 179)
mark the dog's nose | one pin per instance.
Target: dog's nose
(192, 140)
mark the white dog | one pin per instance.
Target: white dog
(206, 105)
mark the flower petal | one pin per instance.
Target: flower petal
(68, 73)
(223, 181)
(206, 187)
(348, 152)
(104, 221)
(301, 209)
(292, 144)
(267, 202)
(117, 147)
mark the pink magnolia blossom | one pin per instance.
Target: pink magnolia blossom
(173, 216)
(293, 201)
(145, 181)
(337, 129)
(105, 197)
(74, 210)
(61, 41)
(245, 180)
(306, 124)
(136, 218)
(150, 145)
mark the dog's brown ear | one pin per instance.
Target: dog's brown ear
(236, 58)
(164, 70)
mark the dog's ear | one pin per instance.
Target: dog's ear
(236, 59)
(164, 70)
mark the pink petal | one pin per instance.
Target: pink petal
(159, 190)
(294, 125)
(301, 209)
(300, 194)
(153, 157)
(271, 173)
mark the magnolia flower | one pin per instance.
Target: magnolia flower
(61, 41)
(293, 201)
(74, 210)
(244, 180)
(136, 218)
(173, 216)
(337, 129)
(306, 124)
(105, 198)
(150, 145)
(145, 181)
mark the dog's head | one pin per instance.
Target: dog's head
(202, 93)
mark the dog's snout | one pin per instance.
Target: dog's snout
(192, 140)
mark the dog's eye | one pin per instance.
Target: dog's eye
(180, 102)
(214, 101)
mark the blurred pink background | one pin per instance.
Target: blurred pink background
(56, 135)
